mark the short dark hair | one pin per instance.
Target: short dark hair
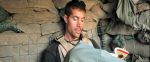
(74, 4)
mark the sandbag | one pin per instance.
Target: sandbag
(115, 27)
(134, 47)
(120, 28)
(127, 11)
(105, 42)
(144, 37)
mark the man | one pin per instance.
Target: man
(74, 18)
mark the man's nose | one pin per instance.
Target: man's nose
(79, 23)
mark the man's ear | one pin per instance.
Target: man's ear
(65, 18)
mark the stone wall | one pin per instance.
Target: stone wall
(40, 19)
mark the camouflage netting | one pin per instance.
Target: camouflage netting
(5, 23)
(3, 14)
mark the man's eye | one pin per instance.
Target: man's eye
(82, 20)
(75, 18)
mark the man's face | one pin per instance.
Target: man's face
(74, 22)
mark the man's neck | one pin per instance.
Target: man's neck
(69, 37)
